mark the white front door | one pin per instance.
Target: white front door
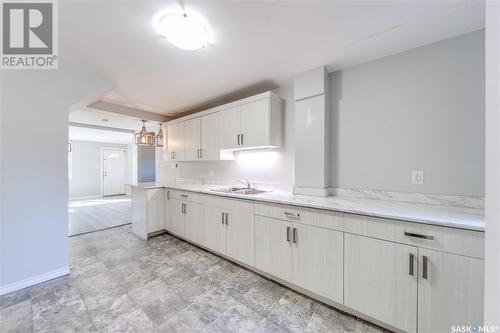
(113, 167)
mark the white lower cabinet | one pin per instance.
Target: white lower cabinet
(318, 260)
(177, 217)
(193, 213)
(380, 280)
(307, 256)
(450, 291)
(273, 247)
(228, 229)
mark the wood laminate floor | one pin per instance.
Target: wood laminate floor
(98, 214)
(120, 283)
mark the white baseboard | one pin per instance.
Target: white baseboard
(85, 198)
(33, 280)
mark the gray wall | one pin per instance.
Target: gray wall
(87, 174)
(418, 110)
(146, 167)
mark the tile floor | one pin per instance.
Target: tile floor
(120, 283)
(97, 214)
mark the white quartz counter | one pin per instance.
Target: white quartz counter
(454, 217)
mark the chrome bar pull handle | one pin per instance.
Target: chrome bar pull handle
(292, 215)
(168, 195)
(288, 234)
(184, 195)
(242, 139)
(227, 215)
(238, 139)
(222, 218)
(411, 263)
(411, 234)
(425, 263)
(295, 235)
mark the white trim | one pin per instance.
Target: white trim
(11, 287)
(125, 152)
(87, 197)
(311, 191)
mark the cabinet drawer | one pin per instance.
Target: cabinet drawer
(320, 218)
(243, 206)
(452, 240)
(184, 195)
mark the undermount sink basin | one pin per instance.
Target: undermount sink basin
(238, 190)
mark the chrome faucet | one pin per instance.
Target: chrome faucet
(244, 182)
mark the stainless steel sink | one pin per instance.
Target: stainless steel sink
(238, 190)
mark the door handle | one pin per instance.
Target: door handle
(411, 264)
(227, 215)
(242, 139)
(295, 235)
(199, 153)
(184, 195)
(411, 234)
(288, 234)
(222, 218)
(425, 263)
(238, 139)
(168, 195)
(292, 215)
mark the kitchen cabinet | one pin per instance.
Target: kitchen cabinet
(193, 214)
(229, 229)
(317, 260)
(230, 128)
(273, 247)
(192, 139)
(177, 217)
(450, 291)
(176, 141)
(307, 256)
(147, 211)
(210, 141)
(380, 280)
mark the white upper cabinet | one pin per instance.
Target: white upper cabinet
(192, 139)
(253, 122)
(230, 128)
(210, 143)
(176, 141)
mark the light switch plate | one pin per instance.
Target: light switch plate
(417, 177)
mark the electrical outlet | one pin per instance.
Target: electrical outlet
(417, 177)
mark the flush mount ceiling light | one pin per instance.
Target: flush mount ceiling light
(184, 30)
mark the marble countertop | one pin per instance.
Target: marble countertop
(447, 216)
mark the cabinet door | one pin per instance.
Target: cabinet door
(273, 253)
(176, 139)
(192, 139)
(210, 146)
(255, 123)
(166, 210)
(177, 217)
(155, 210)
(318, 259)
(451, 292)
(240, 235)
(214, 228)
(194, 222)
(377, 280)
(230, 127)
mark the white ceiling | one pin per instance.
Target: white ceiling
(97, 118)
(256, 44)
(98, 135)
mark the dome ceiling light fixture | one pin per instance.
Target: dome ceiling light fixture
(185, 30)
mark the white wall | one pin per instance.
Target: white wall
(86, 180)
(418, 110)
(492, 248)
(33, 173)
